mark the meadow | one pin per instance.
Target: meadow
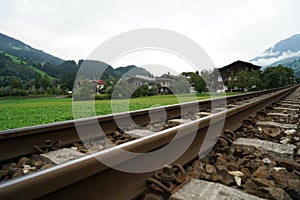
(16, 112)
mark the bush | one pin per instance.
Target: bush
(102, 96)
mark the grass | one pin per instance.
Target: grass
(16, 112)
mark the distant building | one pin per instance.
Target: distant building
(231, 70)
(140, 80)
(164, 83)
(98, 84)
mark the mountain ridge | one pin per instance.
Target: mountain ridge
(20, 49)
(21, 63)
(286, 52)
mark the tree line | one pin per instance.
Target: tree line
(205, 81)
(271, 77)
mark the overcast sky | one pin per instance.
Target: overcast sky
(227, 30)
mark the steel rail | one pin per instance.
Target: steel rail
(89, 179)
(19, 142)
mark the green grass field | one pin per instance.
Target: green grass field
(18, 112)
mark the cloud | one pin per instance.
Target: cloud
(272, 57)
(227, 30)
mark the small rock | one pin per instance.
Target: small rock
(205, 176)
(293, 188)
(46, 166)
(196, 163)
(223, 142)
(27, 168)
(23, 161)
(298, 152)
(261, 182)
(232, 166)
(288, 164)
(261, 172)
(210, 169)
(223, 177)
(236, 173)
(4, 172)
(267, 161)
(249, 186)
(271, 132)
(255, 164)
(116, 134)
(17, 173)
(242, 162)
(246, 172)
(285, 141)
(290, 132)
(13, 169)
(275, 193)
(221, 167)
(38, 163)
(238, 181)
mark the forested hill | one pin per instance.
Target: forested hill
(22, 50)
(25, 70)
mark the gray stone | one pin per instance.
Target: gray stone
(287, 109)
(218, 109)
(62, 155)
(139, 132)
(290, 105)
(176, 122)
(291, 102)
(199, 189)
(264, 146)
(280, 115)
(203, 114)
(276, 124)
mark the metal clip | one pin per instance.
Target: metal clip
(48, 146)
(169, 179)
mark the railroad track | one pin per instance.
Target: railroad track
(86, 177)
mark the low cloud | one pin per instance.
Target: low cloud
(268, 58)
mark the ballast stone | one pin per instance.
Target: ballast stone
(199, 189)
(265, 146)
(62, 155)
(276, 124)
(139, 132)
(280, 115)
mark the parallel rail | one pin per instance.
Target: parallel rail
(19, 142)
(88, 178)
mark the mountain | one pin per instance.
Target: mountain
(285, 52)
(13, 66)
(101, 70)
(293, 63)
(25, 70)
(130, 71)
(22, 50)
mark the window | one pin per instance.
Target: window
(220, 79)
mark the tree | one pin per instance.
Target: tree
(231, 83)
(181, 85)
(198, 82)
(211, 79)
(278, 76)
(247, 79)
(15, 82)
(84, 92)
(122, 90)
